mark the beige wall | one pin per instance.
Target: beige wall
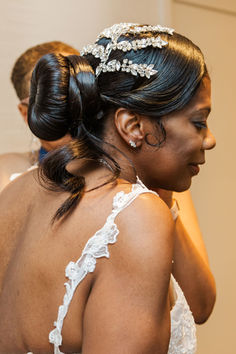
(25, 23)
(213, 191)
(28, 22)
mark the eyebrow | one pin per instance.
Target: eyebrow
(206, 109)
(25, 104)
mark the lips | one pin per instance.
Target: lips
(194, 168)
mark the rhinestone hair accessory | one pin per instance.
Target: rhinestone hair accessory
(114, 32)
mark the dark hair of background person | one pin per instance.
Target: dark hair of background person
(81, 103)
(22, 70)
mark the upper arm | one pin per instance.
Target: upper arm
(190, 222)
(4, 173)
(128, 308)
(11, 163)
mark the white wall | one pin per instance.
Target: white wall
(25, 23)
(214, 30)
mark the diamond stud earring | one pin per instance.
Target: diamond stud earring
(132, 143)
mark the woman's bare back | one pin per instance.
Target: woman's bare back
(34, 255)
(33, 259)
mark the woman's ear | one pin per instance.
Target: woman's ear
(129, 126)
(23, 111)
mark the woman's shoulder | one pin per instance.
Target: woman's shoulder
(15, 160)
(136, 277)
(146, 212)
(11, 163)
(146, 228)
(145, 202)
(24, 185)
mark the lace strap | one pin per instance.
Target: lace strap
(96, 247)
(122, 199)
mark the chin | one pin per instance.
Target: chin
(178, 185)
(183, 186)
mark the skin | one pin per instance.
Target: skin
(136, 278)
(188, 216)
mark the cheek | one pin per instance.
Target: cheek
(176, 149)
(194, 144)
(169, 164)
(185, 143)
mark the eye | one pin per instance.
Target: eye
(200, 125)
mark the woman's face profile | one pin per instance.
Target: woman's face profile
(177, 160)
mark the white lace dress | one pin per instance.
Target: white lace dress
(183, 330)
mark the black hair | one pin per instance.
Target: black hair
(67, 97)
(64, 98)
(180, 68)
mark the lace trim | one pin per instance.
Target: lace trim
(183, 330)
(96, 247)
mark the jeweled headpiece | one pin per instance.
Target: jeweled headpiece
(114, 32)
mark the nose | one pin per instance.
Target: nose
(209, 141)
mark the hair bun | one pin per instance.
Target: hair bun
(63, 93)
(48, 112)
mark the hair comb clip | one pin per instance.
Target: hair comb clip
(114, 32)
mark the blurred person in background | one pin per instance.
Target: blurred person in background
(14, 163)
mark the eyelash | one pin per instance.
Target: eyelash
(200, 125)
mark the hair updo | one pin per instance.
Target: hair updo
(181, 68)
(63, 90)
(67, 98)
